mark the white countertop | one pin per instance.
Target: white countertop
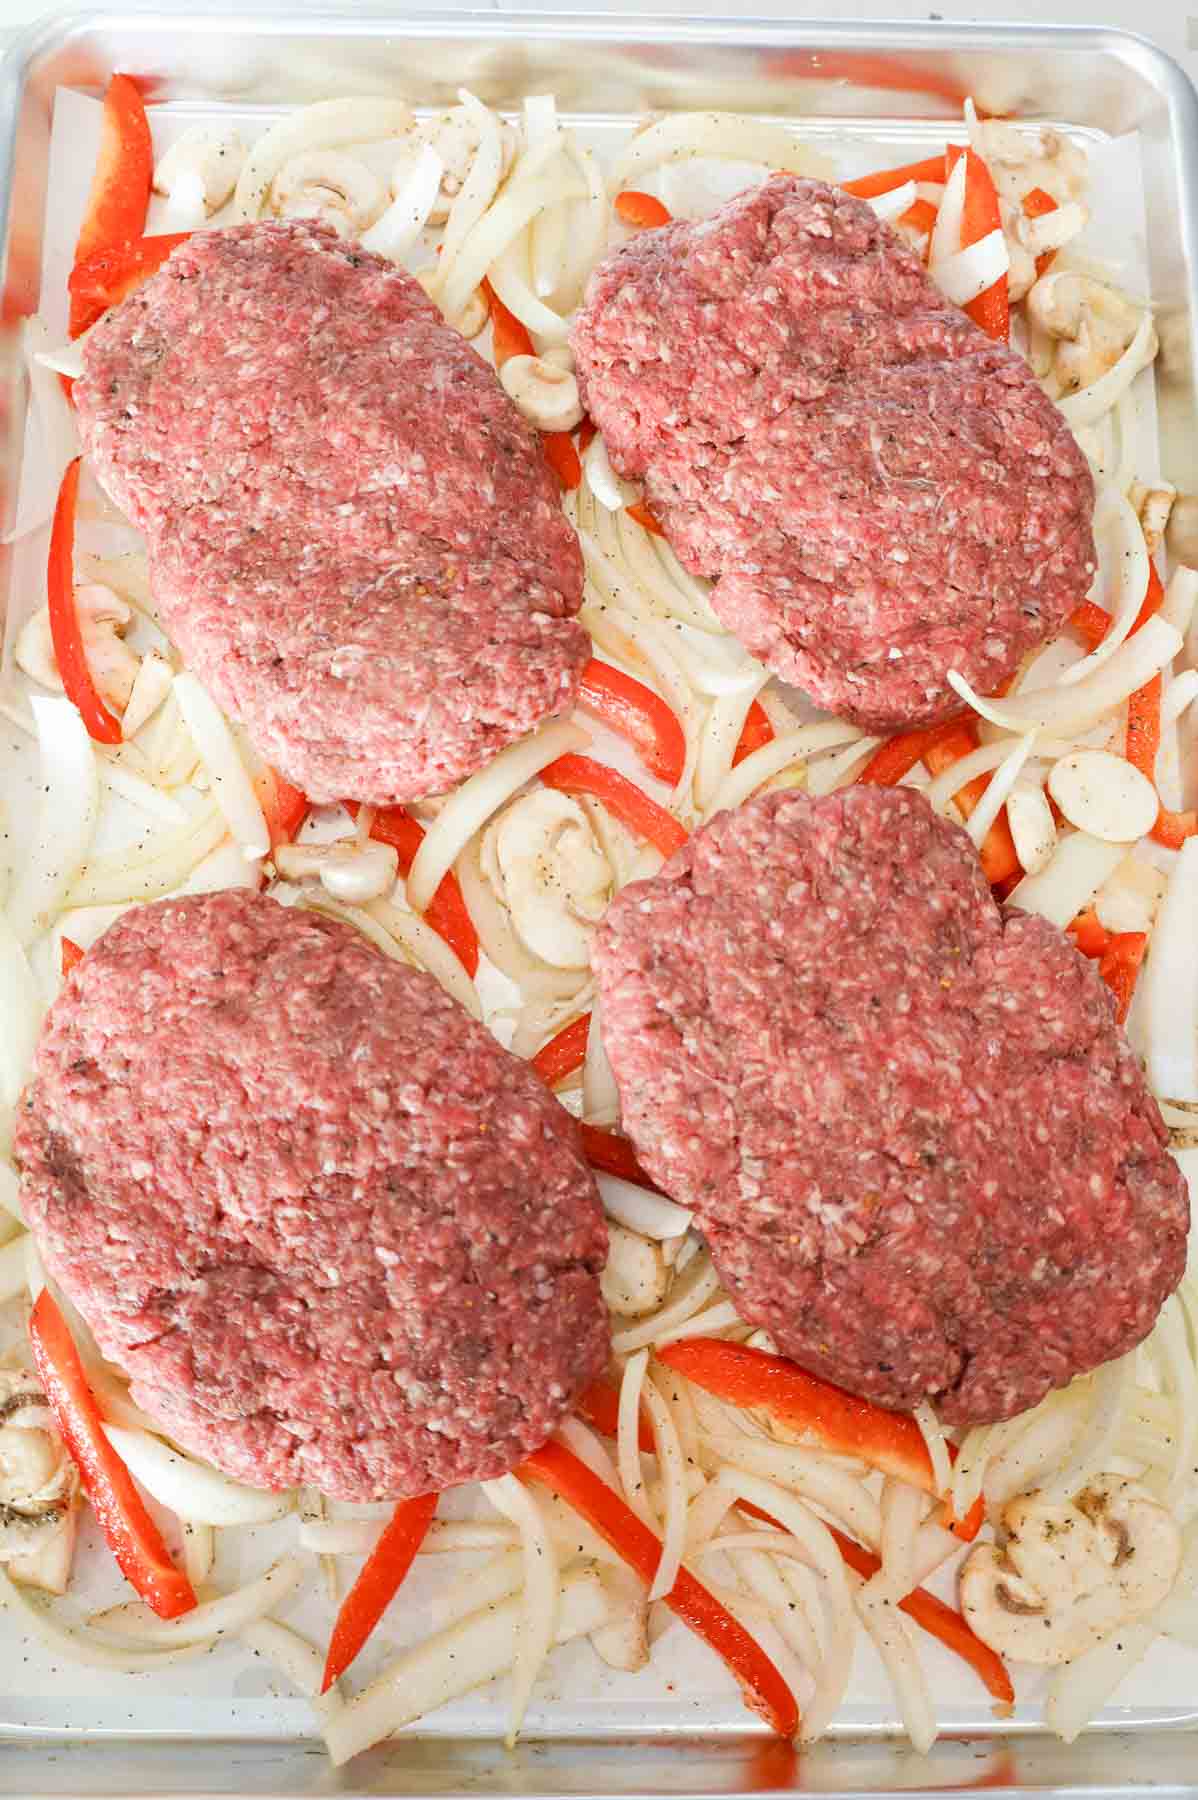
(1172, 23)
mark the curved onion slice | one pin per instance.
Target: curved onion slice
(429, 950)
(674, 1497)
(541, 1596)
(1123, 574)
(299, 1661)
(67, 814)
(325, 126)
(642, 1211)
(140, 793)
(535, 979)
(992, 801)
(508, 275)
(699, 185)
(81, 1646)
(21, 1010)
(1170, 983)
(1082, 1687)
(166, 861)
(602, 479)
(399, 228)
(894, 204)
(588, 223)
(1089, 404)
(1104, 795)
(968, 273)
(946, 233)
(774, 757)
(227, 1613)
(1071, 709)
(478, 798)
(194, 1489)
(894, 1641)
(600, 1095)
(628, 1453)
(716, 134)
(232, 788)
(516, 207)
(1070, 881)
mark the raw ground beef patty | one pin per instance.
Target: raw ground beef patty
(922, 1152)
(355, 539)
(880, 493)
(331, 1230)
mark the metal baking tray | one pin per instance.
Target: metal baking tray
(900, 78)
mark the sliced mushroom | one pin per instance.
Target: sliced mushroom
(1066, 1574)
(635, 1278)
(347, 869)
(454, 136)
(543, 860)
(38, 1484)
(1021, 160)
(1182, 536)
(1092, 325)
(546, 394)
(103, 619)
(328, 185)
(201, 166)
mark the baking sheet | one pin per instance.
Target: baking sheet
(229, 1691)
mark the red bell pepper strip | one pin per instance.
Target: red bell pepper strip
(65, 632)
(997, 855)
(508, 336)
(757, 733)
(447, 912)
(1119, 967)
(381, 1577)
(761, 1684)
(284, 807)
(991, 310)
(921, 215)
(120, 190)
(588, 431)
(636, 713)
(640, 209)
(899, 755)
(1090, 622)
(871, 187)
(1144, 731)
(573, 774)
(612, 1154)
(71, 954)
(562, 458)
(131, 1534)
(564, 1053)
(111, 275)
(844, 1423)
(645, 517)
(1089, 933)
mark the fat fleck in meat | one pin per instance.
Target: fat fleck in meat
(880, 493)
(329, 1228)
(355, 539)
(922, 1152)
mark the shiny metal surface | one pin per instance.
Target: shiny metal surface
(1105, 80)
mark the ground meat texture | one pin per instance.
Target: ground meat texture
(329, 1228)
(880, 493)
(922, 1152)
(354, 537)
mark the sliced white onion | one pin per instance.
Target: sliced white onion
(993, 800)
(1068, 884)
(827, 773)
(968, 273)
(469, 1654)
(13, 1269)
(21, 1010)
(1104, 795)
(54, 413)
(517, 205)
(894, 204)
(1170, 983)
(1082, 1687)
(628, 1455)
(602, 479)
(1123, 574)
(1179, 696)
(1181, 597)
(1071, 709)
(399, 228)
(327, 125)
(587, 225)
(709, 1323)
(688, 1297)
(1033, 828)
(651, 573)
(10, 1192)
(752, 1554)
(151, 685)
(673, 1503)
(480, 797)
(1089, 404)
(165, 862)
(541, 1597)
(718, 665)
(535, 979)
(933, 1434)
(199, 1551)
(82, 1646)
(722, 134)
(194, 1490)
(699, 185)
(652, 1215)
(232, 788)
(212, 1618)
(600, 1095)
(509, 277)
(894, 1641)
(68, 808)
(64, 359)
(142, 794)
(635, 1279)
(807, 1472)
(946, 233)
(779, 754)
(295, 1657)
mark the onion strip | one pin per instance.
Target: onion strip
(324, 126)
(721, 134)
(639, 1210)
(193, 1489)
(232, 788)
(212, 1618)
(68, 810)
(540, 1600)
(1074, 708)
